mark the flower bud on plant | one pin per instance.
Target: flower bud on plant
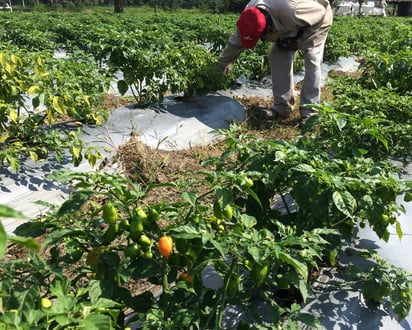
(45, 303)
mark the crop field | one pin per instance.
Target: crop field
(135, 248)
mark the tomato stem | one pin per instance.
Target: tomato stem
(221, 307)
(165, 284)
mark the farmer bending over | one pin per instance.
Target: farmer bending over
(290, 25)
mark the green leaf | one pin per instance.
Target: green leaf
(300, 267)
(122, 86)
(309, 320)
(33, 316)
(345, 202)
(65, 175)
(30, 229)
(247, 221)
(96, 322)
(408, 197)
(3, 241)
(341, 123)
(191, 197)
(75, 202)
(183, 318)
(399, 231)
(142, 302)
(305, 168)
(401, 302)
(303, 289)
(221, 248)
(371, 291)
(13, 115)
(8, 212)
(186, 232)
(57, 235)
(144, 268)
(34, 156)
(27, 298)
(27, 242)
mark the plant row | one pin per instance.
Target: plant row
(154, 55)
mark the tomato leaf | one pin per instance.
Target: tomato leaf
(8, 212)
(122, 86)
(344, 202)
(144, 268)
(3, 241)
(186, 232)
(399, 231)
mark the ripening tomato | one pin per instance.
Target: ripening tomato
(165, 246)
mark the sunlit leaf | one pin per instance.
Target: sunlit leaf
(3, 241)
(14, 116)
(27, 242)
(344, 202)
(9, 212)
(399, 231)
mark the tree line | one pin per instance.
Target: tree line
(218, 6)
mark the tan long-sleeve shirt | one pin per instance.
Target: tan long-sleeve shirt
(288, 16)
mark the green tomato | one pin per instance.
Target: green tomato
(109, 213)
(136, 229)
(133, 250)
(259, 272)
(182, 245)
(145, 242)
(228, 212)
(195, 218)
(141, 213)
(148, 254)
(247, 264)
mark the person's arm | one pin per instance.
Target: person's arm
(231, 51)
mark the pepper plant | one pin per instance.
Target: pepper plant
(54, 95)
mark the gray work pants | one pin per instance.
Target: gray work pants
(281, 63)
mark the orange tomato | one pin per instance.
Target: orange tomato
(165, 246)
(186, 277)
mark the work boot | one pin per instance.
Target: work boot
(270, 114)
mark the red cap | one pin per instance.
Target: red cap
(251, 24)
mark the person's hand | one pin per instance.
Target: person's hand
(288, 44)
(226, 69)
